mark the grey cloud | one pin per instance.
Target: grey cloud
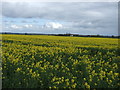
(34, 21)
(24, 21)
(102, 16)
(62, 11)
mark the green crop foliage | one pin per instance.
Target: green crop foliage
(40, 61)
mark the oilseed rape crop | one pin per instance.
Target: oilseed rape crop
(41, 61)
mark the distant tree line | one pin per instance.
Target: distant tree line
(67, 34)
(77, 35)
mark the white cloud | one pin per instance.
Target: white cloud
(53, 25)
(28, 26)
(15, 27)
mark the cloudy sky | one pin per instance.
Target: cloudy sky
(60, 17)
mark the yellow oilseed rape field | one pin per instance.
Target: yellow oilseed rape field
(41, 61)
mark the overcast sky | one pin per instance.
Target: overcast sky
(61, 17)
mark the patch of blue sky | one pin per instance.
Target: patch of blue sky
(22, 21)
